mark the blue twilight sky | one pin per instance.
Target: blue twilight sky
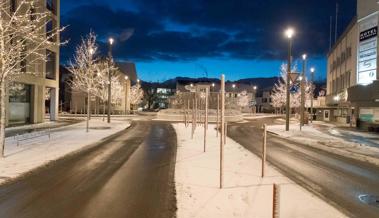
(241, 38)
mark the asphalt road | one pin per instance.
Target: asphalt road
(339, 180)
(128, 175)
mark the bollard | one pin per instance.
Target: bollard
(264, 149)
(276, 201)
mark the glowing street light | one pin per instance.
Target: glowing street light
(111, 41)
(290, 32)
(234, 86)
(126, 77)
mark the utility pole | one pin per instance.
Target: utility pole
(222, 128)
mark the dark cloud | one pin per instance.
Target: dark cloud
(243, 29)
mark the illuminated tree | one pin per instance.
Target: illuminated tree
(136, 95)
(84, 72)
(23, 43)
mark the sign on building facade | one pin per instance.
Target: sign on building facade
(367, 50)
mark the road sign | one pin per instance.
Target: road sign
(293, 76)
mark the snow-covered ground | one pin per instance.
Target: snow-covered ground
(245, 193)
(331, 142)
(36, 152)
(252, 116)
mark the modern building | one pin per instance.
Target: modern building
(341, 74)
(34, 98)
(78, 99)
(353, 78)
(163, 96)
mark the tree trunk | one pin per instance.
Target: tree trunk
(88, 112)
(2, 118)
(103, 110)
(89, 108)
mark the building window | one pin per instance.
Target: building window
(50, 28)
(51, 5)
(50, 64)
(23, 62)
(19, 103)
(13, 6)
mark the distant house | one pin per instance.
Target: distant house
(263, 102)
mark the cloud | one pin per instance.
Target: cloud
(241, 29)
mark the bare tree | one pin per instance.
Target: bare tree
(136, 94)
(103, 68)
(279, 96)
(84, 75)
(243, 99)
(23, 41)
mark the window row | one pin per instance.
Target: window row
(51, 5)
(345, 55)
(341, 83)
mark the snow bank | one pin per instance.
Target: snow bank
(245, 193)
(36, 152)
(332, 143)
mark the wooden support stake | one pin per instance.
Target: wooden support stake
(226, 132)
(217, 113)
(193, 118)
(264, 149)
(222, 128)
(276, 201)
(206, 119)
(188, 108)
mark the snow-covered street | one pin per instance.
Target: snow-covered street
(36, 152)
(245, 193)
(331, 141)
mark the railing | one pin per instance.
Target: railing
(32, 135)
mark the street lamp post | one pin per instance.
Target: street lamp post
(312, 91)
(111, 40)
(289, 33)
(302, 91)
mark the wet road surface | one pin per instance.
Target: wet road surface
(339, 180)
(130, 175)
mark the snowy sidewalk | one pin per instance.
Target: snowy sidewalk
(36, 152)
(311, 136)
(245, 193)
